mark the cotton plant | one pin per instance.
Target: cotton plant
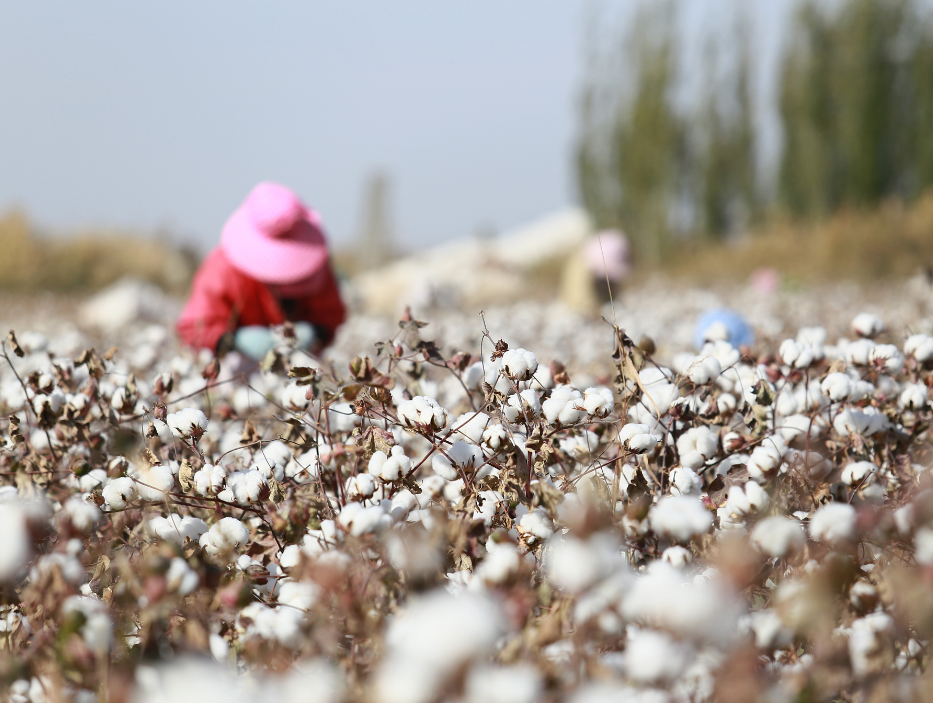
(492, 520)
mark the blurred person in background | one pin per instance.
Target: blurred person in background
(722, 324)
(607, 256)
(604, 256)
(272, 266)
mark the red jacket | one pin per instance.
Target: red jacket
(223, 299)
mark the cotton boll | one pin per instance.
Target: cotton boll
(697, 445)
(745, 500)
(861, 422)
(177, 529)
(867, 640)
(247, 401)
(923, 546)
(580, 447)
(787, 403)
(524, 405)
(271, 460)
(598, 402)
(500, 563)
(814, 336)
(181, 578)
(726, 354)
(187, 679)
(432, 638)
(33, 342)
(470, 426)
(453, 491)
(680, 518)
(460, 455)
(359, 521)
(209, 481)
(564, 406)
(294, 397)
(653, 657)
(657, 399)
(798, 356)
(637, 438)
(361, 486)
(422, 413)
(189, 423)
(856, 472)
(859, 351)
(282, 625)
(119, 398)
(414, 552)
(863, 596)
(298, 594)
(396, 466)
(904, 519)
(92, 480)
(473, 375)
(535, 525)
(769, 630)
(887, 358)
(154, 482)
(685, 481)
(248, 487)
(520, 683)
(701, 610)
(702, 370)
(836, 385)
(593, 692)
(119, 492)
(796, 426)
(97, 629)
(726, 404)
(71, 569)
(488, 503)
(642, 443)
(655, 376)
(716, 332)
(913, 397)
(342, 418)
(309, 681)
(519, 364)
(82, 515)
(920, 347)
(55, 401)
(758, 498)
(496, 437)
(224, 537)
(677, 556)
(766, 458)
(834, 523)
(17, 544)
(867, 325)
(574, 565)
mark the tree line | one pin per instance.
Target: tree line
(855, 103)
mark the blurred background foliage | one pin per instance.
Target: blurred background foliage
(87, 260)
(683, 177)
(670, 151)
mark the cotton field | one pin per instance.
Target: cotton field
(521, 506)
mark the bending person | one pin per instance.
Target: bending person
(272, 266)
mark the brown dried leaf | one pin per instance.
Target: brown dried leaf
(14, 345)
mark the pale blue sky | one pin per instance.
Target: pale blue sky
(148, 115)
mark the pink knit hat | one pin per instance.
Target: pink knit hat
(274, 237)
